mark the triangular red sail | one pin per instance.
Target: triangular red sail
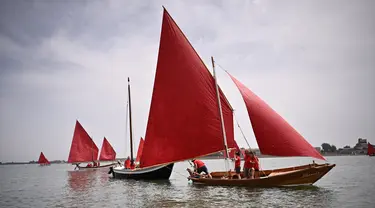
(43, 159)
(273, 134)
(184, 120)
(140, 150)
(370, 149)
(83, 148)
(107, 152)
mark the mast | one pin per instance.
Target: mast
(220, 111)
(131, 124)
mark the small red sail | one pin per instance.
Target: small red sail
(107, 152)
(273, 134)
(370, 149)
(83, 148)
(184, 120)
(43, 159)
(140, 150)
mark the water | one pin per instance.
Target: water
(349, 184)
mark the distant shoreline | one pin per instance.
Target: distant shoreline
(205, 158)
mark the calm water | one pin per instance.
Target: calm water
(350, 184)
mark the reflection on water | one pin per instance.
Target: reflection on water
(81, 180)
(58, 186)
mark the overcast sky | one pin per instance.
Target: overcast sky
(311, 61)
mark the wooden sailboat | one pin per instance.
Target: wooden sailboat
(43, 160)
(183, 121)
(83, 149)
(370, 150)
(274, 137)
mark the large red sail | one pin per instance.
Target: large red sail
(273, 134)
(107, 152)
(43, 159)
(370, 149)
(184, 120)
(83, 148)
(140, 150)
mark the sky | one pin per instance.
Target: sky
(312, 61)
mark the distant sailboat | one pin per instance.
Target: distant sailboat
(83, 149)
(370, 150)
(107, 152)
(43, 160)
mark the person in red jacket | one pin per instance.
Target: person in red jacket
(127, 163)
(237, 164)
(252, 165)
(199, 167)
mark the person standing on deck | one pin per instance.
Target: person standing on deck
(254, 164)
(127, 163)
(247, 164)
(199, 167)
(237, 164)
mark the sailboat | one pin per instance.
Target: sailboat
(83, 149)
(43, 160)
(370, 150)
(183, 121)
(107, 153)
(274, 137)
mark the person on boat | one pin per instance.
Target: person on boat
(127, 163)
(254, 164)
(237, 164)
(132, 164)
(247, 164)
(199, 167)
(98, 163)
(88, 165)
(94, 164)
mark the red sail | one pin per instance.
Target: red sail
(83, 148)
(43, 159)
(107, 152)
(140, 150)
(273, 134)
(370, 149)
(184, 120)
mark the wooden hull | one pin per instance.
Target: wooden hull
(162, 172)
(293, 176)
(93, 168)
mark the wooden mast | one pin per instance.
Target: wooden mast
(131, 125)
(220, 111)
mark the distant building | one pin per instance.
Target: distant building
(361, 146)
